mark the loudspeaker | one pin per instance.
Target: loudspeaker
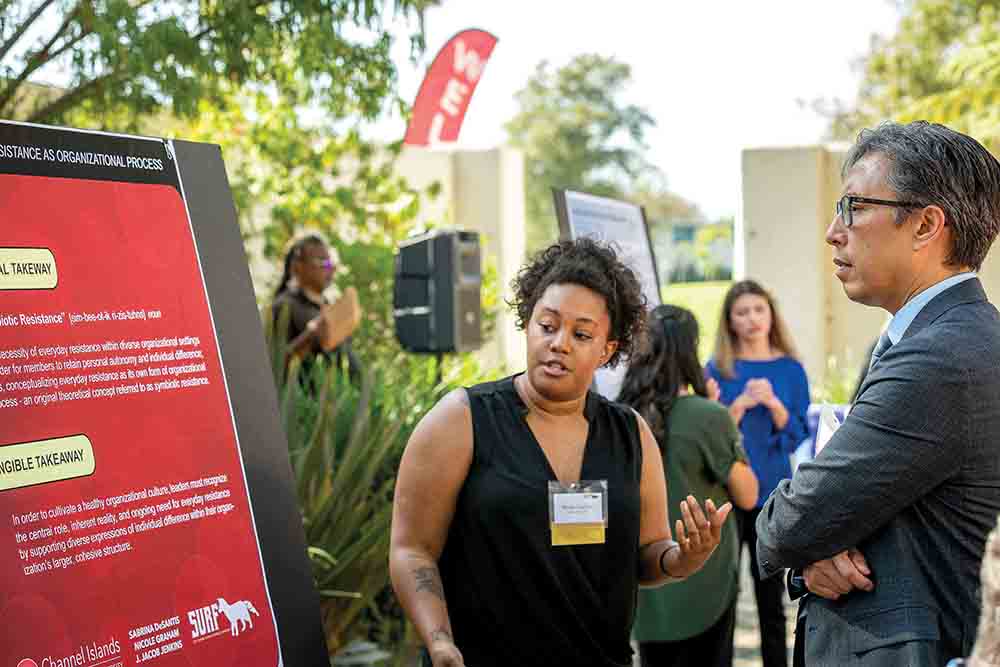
(436, 302)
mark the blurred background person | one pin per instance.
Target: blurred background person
(474, 556)
(986, 652)
(691, 622)
(767, 392)
(299, 300)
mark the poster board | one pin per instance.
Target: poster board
(147, 512)
(623, 224)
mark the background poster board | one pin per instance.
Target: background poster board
(147, 513)
(624, 224)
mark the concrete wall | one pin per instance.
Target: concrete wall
(481, 191)
(788, 200)
(781, 231)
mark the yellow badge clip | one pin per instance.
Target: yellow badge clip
(578, 512)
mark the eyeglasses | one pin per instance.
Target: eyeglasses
(323, 263)
(845, 206)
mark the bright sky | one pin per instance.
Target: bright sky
(718, 77)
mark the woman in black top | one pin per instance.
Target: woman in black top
(295, 311)
(481, 558)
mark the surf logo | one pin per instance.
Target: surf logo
(238, 613)
(204, 621)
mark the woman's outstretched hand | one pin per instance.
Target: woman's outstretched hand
(697, 533)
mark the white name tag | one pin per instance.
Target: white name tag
(578, 512)
(577, 508)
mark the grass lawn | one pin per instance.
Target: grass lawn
(705, 301)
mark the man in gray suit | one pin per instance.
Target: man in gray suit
(887, 526)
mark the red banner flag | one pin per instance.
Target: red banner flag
(447, 88)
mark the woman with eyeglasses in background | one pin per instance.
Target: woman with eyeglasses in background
(308, 272)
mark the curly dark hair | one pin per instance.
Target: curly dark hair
(594, 265)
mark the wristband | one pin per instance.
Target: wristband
(663, 567)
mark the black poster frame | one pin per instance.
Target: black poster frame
(254, 401)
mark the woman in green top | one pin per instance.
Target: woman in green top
(690, 622)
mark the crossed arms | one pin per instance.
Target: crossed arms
(900, 441)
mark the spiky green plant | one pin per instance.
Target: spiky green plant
(345, 440)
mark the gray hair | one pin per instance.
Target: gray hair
(931, 164)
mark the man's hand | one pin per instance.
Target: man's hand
(838, 575)
(697, 534)
(443, 651)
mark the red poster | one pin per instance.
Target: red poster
(126, 534)
(444, 96)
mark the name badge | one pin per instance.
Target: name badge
(578, 512)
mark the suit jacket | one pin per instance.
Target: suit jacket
(912, 479)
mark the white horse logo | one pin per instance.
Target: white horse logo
(238, 611)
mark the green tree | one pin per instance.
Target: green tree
(970, 102)
(902, 71)
(707, 241)
(122, 60)
(576, 133)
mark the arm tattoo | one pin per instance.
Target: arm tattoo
(429, 580)
(441, 635)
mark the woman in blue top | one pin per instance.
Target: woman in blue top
(766, 390)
